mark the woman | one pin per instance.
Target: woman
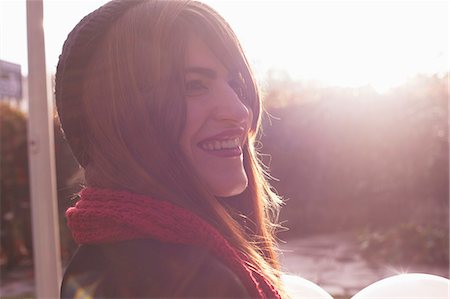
(160, 108)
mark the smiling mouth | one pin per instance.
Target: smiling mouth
(217, 145)
(224, 148)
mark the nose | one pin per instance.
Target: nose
(230, 107)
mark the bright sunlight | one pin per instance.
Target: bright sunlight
(345, 43)
(349, 44)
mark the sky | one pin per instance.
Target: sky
(341, 43)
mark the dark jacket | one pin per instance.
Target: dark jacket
(148, 269)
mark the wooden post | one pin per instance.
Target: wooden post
(41, 151)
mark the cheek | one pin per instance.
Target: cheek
(185, 147)
(195, 117)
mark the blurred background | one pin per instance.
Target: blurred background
(355, 134)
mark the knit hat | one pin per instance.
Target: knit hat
(77, 51)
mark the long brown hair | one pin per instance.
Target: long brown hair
(133, 100)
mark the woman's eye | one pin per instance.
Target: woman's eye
(195, 88)
(239, 90)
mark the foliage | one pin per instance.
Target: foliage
(16, 236)
(14, 187)
(408, 243)
(351, 157)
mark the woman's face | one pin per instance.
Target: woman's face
(217, 121)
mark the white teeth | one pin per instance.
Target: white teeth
(218, 145)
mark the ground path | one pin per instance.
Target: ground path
(332, 262)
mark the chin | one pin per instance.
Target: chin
(230, 190)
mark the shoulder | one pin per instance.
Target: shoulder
(149, 268)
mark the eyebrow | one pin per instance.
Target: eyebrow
(207, 72)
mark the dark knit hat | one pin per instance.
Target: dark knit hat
(77, 51)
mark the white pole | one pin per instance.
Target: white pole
(46, 247)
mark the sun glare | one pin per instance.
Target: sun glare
(352, 44)
(378, 43)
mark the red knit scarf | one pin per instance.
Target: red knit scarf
(104, 216)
